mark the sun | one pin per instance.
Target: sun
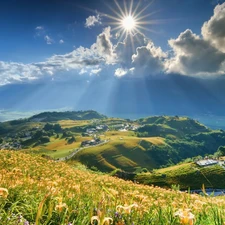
(128, 23)
(130, 17)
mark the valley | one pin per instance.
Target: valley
(150, 144)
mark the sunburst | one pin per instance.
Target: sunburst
(130, 19)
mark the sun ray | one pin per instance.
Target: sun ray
(120, 9)
(147, 15)
(114, 11)
(145, 28)
(136, 8)
(125, 7)
(140, 12)
(131, 7)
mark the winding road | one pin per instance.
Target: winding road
(78, 150)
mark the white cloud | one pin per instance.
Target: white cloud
(95, 71)
(39, 28)
(214, 29)
(120, 72)
(190, 54)
(140, 55)
(11, 72)
(39, 31)
(61, 41)
(91, 21)
(104, 46)
(200, 55)
(48, 40)
(83, 71)
(83, 60)
(194, 56)
(148, 60)
(124, 50)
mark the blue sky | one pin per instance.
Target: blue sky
(56, 43)
(65, 19)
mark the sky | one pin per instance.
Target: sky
(115, 56)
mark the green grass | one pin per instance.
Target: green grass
(123, 153)
(73, 123)
(187, 175)
(58, 147)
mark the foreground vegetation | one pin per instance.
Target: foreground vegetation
(37, 191)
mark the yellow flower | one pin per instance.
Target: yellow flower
(3, 192)
(60, 205)
(186, 217)
(105, 221)
(125, 209)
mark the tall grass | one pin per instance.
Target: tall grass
(36, 191)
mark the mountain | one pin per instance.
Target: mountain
(69, 115)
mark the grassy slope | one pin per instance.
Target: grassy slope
(122, 151)
(58, 147)
(73, 123)
(45, 192)
(186, 175)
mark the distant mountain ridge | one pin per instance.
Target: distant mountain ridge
(68, 115)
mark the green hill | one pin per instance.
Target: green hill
(187, 175)
(127, 155)
(165, 125)
(150, 143)
(69, 115)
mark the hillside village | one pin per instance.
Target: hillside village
(147, 143)
(17, 141)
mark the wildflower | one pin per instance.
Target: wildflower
(125, 209)
(105, 221)
(3, 192)
(60, 205)
(186, 217)
(26, 222)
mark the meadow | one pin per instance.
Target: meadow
(34, 190)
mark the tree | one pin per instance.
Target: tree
(57, 128)
(221, 149)
(48, 127)
(71, 140)
(44, 139)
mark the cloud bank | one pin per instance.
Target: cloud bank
(190, 54)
